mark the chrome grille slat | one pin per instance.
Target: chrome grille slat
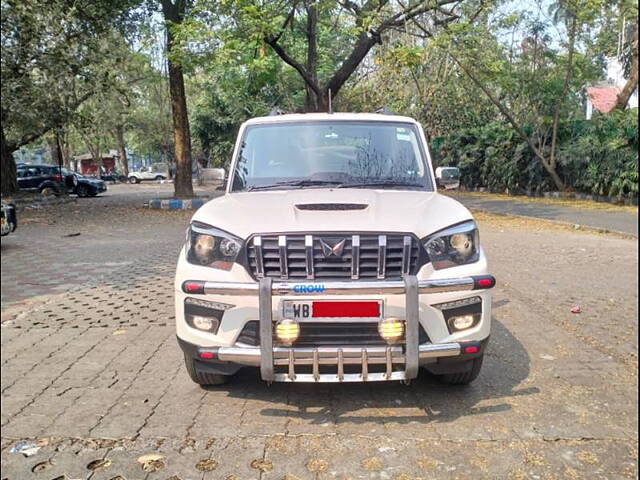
(382, 256)
(257, 247)
(308, 243)
(363, 256)
(355, 257)
(282, 247)
(406, 255)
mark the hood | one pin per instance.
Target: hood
(332, 210)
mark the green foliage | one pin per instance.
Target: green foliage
(55, 55)
(602, 156)
(598, 156)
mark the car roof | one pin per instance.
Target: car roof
(37, 165)
(307, 117)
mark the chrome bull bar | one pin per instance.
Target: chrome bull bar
(267, 356)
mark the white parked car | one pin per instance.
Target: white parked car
(332, 258)
(448, 177)
(153, 172)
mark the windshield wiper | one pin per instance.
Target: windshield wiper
(295, 183)
(387, 183)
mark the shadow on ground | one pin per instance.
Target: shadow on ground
(426, 400)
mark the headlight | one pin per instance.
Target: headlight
(211, 247)
(457, 245)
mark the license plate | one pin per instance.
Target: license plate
(319, 309)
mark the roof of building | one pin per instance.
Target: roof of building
(88, 156)
(603, 98)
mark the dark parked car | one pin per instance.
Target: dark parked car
(81, 185)
(113, 176)
(45, 179)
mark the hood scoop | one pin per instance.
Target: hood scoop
(331, 206)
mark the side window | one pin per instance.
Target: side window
(33, 172)
(21, 172)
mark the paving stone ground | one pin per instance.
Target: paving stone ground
(92, 370)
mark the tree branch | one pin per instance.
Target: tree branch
(632, 83)
(360, 50)
(412, 12)
(293, 63)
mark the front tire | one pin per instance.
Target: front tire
(134, 180)
(463, 378)
(159, 177)
(82, 191)
(202, 378)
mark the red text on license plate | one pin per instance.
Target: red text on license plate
(346, 309)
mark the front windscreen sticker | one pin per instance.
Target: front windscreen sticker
(403, 134)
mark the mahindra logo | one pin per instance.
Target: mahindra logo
(334, 250)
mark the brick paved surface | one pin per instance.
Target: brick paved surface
(92, 370)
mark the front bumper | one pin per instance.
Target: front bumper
(399, 362)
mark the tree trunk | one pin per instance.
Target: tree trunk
(565, 90)
(311, 100)
(517, 127)
(183, 187)
(122, 151)
(632, 83)
(9, 181)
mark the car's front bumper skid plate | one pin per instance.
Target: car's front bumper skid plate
(266, 356)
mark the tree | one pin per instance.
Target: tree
(174, 14)
(47, 71)
(355, 27)
(546, 85)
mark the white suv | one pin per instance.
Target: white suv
(154, 172)
(332, 258)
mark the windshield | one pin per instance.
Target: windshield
(337, 153)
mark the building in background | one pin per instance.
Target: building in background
(604, 95)
(86, 165)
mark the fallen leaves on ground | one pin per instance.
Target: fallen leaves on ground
(262, 465)
(317, 465)
(151, 462)
(206, 465)
(372, 463)
(42, 466)
(99, 464)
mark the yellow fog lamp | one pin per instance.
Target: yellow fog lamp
(391, 329)
(287, 331)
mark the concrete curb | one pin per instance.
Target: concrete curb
(575, 226)
(177, 204)
(568, 195)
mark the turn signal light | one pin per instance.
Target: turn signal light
(287, 331)
(391, 329)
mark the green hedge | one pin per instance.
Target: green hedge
(597, 156)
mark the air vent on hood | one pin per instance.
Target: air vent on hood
(332, 206)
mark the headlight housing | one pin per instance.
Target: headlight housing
(210, 247)
(453, 246)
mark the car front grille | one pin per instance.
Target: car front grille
(333, 256)
(314, 334)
